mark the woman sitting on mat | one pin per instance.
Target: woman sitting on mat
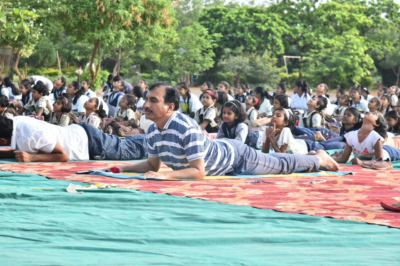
(280, 137)
(367, 145)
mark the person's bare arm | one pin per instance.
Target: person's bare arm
(345, 155)
(265, 147)
(40, 111)
(57, 155)
(204, 124)
(152, 164)
(378, 150)
(196, 171)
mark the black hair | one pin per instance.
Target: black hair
(283, 100)
(222, 97)
(357, 115)
(63, 81)
(109, 82)
(100, 109)
(210, 86)
(378, 102)
(243, 87)
(342, 91)
(79, 93)
(41, 88)
(225, 84)
(138, 92)
(131, 101)
(282, 86)
(87, 82)
(291, 120)
(237, 109)
(9, 83)
(381, 129)
(264, 93)
(303, 85)
(171, 93)
(66, 103)
(6, 127)
(185, 85)
(4, 101)
(347, 99)
(118, 78)
(322, 103)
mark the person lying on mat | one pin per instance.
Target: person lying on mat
(33, 140)
(179, 142)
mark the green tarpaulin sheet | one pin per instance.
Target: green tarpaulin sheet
(42, 224)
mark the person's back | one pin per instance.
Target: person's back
(34, 136)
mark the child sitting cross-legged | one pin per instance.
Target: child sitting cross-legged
(37, 105)
(279, 136)
(94, 113)
(367, 145)
(5, 109)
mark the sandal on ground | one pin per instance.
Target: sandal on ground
(382, 165)
(367, 164)
(390, 208)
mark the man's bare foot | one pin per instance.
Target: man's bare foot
(326, 162)
(319, 137)
(397, 205)
(312, 153)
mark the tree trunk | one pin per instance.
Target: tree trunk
(95, 49)
(238, 72)
(300, 74)
(117, 66)
(16, 62)
(2, 59)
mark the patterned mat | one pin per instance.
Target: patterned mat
(349, 197)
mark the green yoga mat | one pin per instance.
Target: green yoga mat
(42, 224)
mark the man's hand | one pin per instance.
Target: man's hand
(156, 175)
(23, 156)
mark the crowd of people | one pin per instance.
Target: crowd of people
(305, 123)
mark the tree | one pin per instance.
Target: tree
(17, 30)
(342, 60)
(106, 22)
(258, 68)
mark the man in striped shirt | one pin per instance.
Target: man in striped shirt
(178, 141)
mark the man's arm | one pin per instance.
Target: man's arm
(152, 164)
(196, 171)
(57, 155)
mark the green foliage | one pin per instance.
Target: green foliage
(100, 79)
(50, 72)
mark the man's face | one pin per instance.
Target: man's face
(154, 107)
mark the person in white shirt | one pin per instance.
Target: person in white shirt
(313, 117)
(265, 107)
(393, 97)
(48, 83)
(76, 92)
(357, 101)
(300, 97)
(32, 140)
(188, 102)
(252, 113)
(88, 91)
(322, 90)
(281, 90)
(10, 90)
(224, 86)
(366, 94)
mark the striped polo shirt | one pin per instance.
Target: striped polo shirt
(182, 141)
